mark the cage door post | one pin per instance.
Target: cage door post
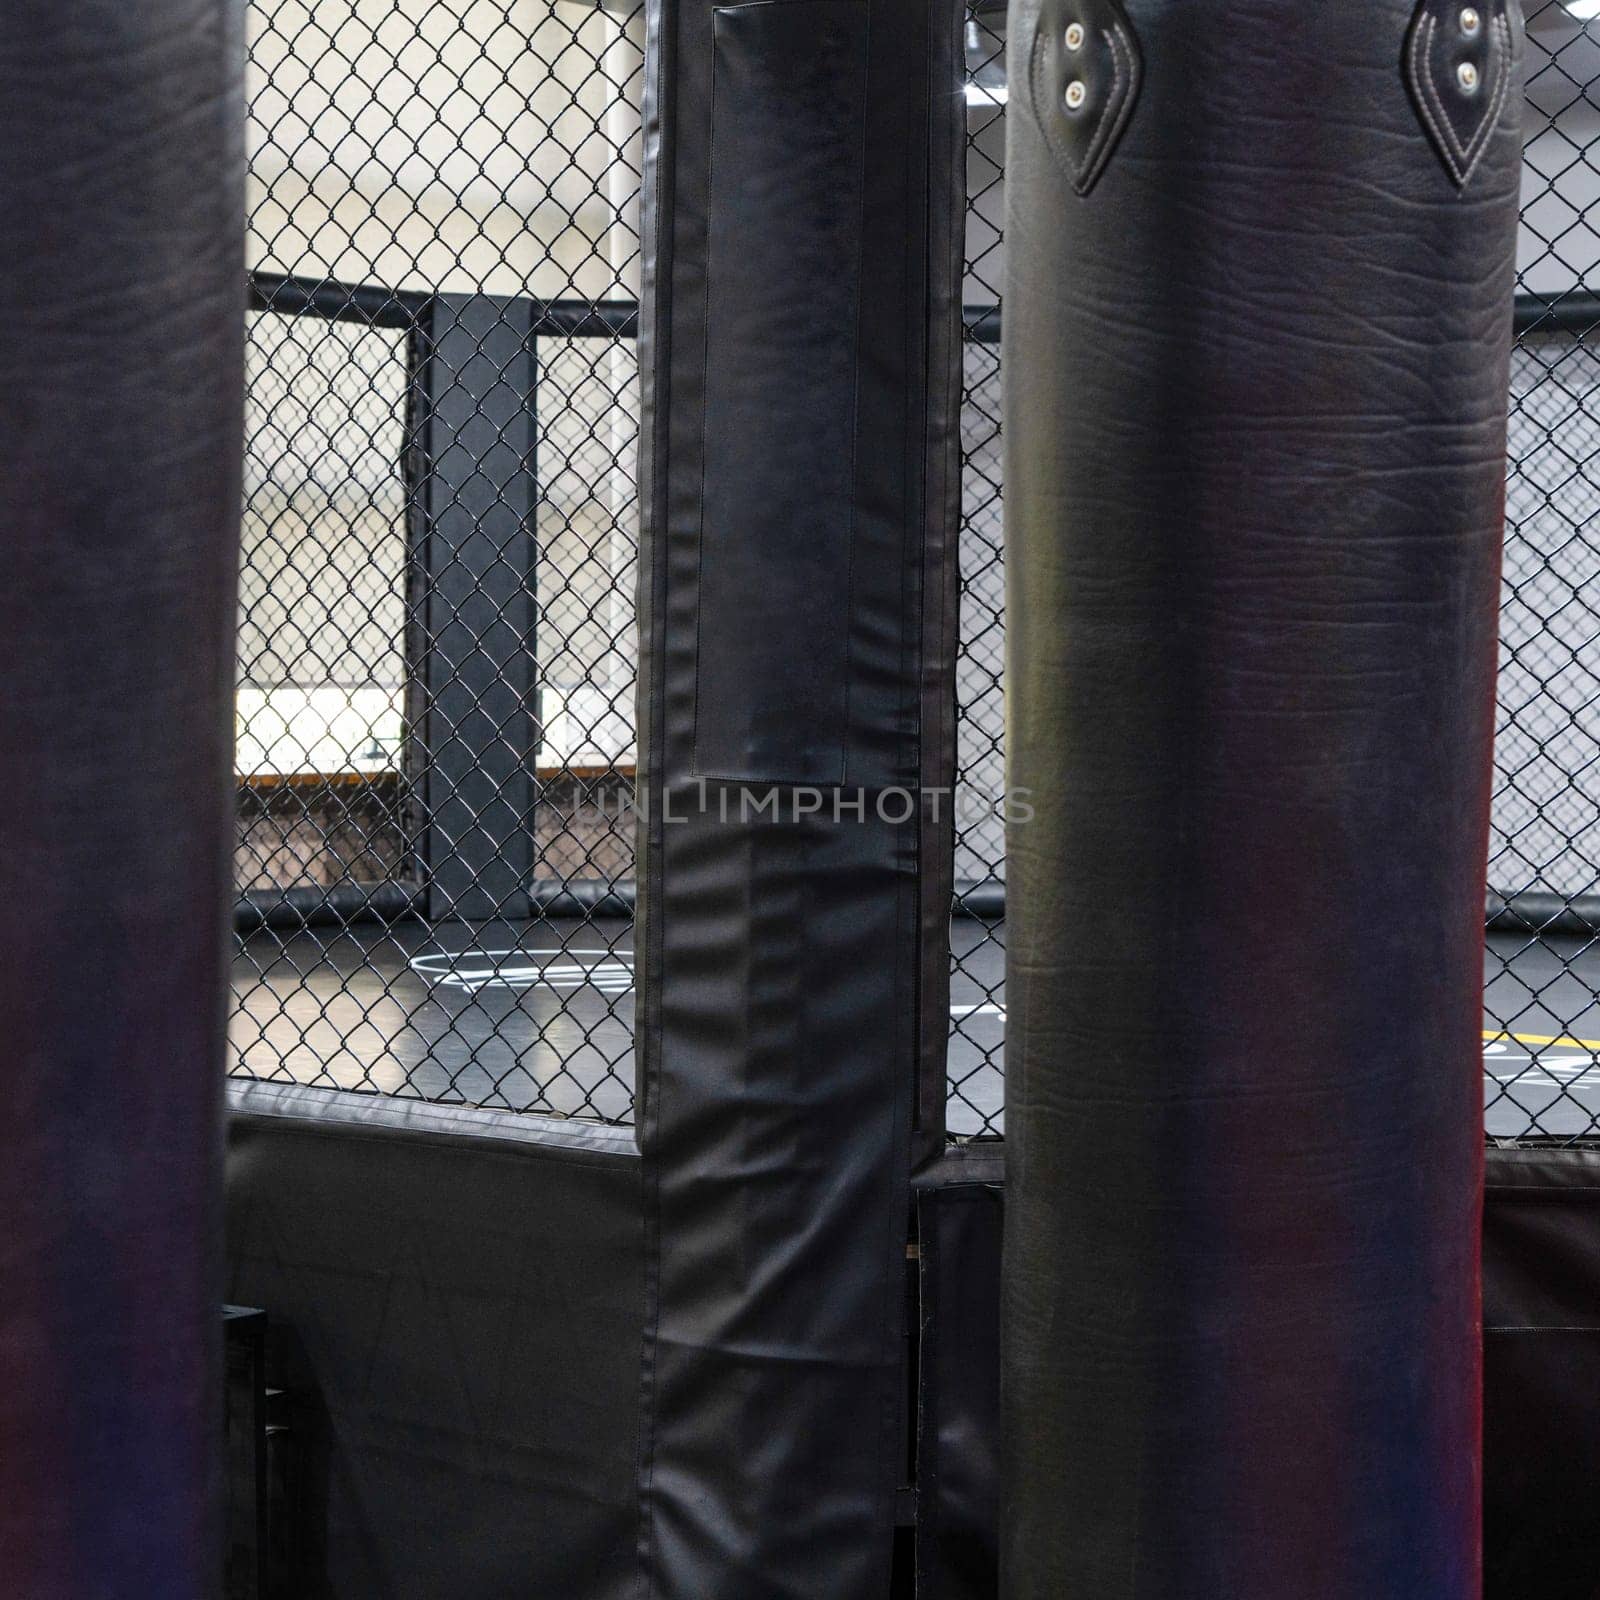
(476, 573)
(800, 381)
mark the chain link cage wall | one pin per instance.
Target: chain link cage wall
(436, 643)
(1542, 1007)
(975, 1105)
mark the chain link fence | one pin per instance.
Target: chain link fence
(1542, 1008)
(436, 643)
(977, 1020)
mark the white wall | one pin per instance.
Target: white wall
(454, 146)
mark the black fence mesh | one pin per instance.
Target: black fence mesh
(977, 1019)
(436, 642)
(1542, 1010)
(436, 646)
(437, 635)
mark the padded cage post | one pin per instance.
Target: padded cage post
(799, 347)
(475, 605)
(1256, 343)
(122, 297)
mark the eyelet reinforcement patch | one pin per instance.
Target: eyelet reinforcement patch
(1084, 71)
(1459, 64)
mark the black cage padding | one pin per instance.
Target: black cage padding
(455, 1301)
(960, 1212)
(799, 328)
(1541, 1313)
(1541, 1316)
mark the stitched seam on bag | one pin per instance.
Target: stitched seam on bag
(1573, 1327)
(1422, 84)
(1091, 156)
(1461, 159)
(1473, 151)
(1502, 91)
(1052, 137)
(1119, 105)
(1124, 113)
(1116, 108)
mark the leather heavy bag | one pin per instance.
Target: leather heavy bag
(795, 719)
(1258, 314)
(121, 411)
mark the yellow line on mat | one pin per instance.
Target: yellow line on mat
(1542, 1038)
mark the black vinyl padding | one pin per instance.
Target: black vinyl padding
(1541, 1402)
(1255, 404)
(960, 1208)
(455, 1299)
(777, 531)
(121, 411)
(800, 377)
(1541, 1314)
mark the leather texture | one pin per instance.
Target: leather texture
(1082, 81)
(960, 1215)
(1255, 421)
(121, 403)
(800, 350)
(1461, 67)
(455, 1299)
(1541, 1458)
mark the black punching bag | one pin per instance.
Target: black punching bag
(1258, 318)
(121, 384)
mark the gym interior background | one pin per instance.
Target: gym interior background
(437, 639)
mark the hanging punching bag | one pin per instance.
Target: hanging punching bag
(1258, 317)
(121, 411)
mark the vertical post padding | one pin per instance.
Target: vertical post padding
(476, 604)
(800, 380)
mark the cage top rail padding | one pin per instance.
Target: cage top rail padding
(799, 343)
(1254, 526)
(455, 1298)
(121, 163)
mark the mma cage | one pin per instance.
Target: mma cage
(437, 639)
(469, 622)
